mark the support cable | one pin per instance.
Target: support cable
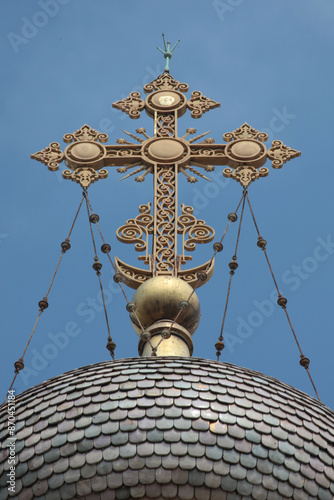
(201, 276)
(43, 304)
(282, 301)
(233, 265)
(97, 266)
(106, 248)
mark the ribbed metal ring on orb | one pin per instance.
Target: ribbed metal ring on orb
(85, 153)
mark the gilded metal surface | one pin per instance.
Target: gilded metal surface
(168, 428)
(199, 104)
(131, 105)
(178, 344)
(165, 155)
(159, 299)
(137, 231)
(280, 154)
(193, 231)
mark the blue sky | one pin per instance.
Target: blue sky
(64, 62)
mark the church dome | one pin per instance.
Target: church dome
(169, 428)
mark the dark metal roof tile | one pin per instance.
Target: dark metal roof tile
(52, 455)
(110, 454)
(244, 488)
(114, 480)
(135, 463)
(209, 415)
(221, 468)
(325, 494)
(228, 483)
(238, 472)
(179, 449)
(31, 440)
(225, 442)
(44, 472)
(110, 427)
(146, 476)
(226, 418)
(248, 461)
(170, 461)
(196, 450)
(253, 436)
(145, 449)
(74, 412)
(187, 462)
(270, 483)
(130, 477)
(295, 440)
(154, 461)
(153, 490)
(269, 441)
(182, 402)
(196, 477)
(236, 410)
(231, 456)
(295, 479)
(20, 470)
(236, 432)
(56, 481)
(258, 492)
(245, 423)
(182, 424)
(324, 457)
(276, 457)
(243, 446)
(25, 432)
(259, 451)
(154, 436)
(138, 436)
(136, 413)
(120, 465)
(119, 438)
(27, 453)
(285, 489)
(192, 413)
(262, 427)
(190, 436)
(316, 464)
(75, 435)
(156, 412)
(162, 448)
(83, 487)
(264, 465)
(72, 476)
(207, 438)
(201, 405)
(200, 424)
(292, 464)
(280, 473)
(36, 462)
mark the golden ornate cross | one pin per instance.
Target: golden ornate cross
(165, 155)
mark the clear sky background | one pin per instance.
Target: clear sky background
(63, 63)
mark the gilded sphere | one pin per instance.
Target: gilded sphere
(159, 299)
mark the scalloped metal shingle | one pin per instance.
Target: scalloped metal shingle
(182, 428)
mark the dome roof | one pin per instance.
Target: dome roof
(181, 428)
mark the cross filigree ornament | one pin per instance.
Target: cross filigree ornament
(165, 155)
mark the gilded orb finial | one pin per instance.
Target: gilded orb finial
(168, 52)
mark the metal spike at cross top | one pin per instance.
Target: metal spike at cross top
(165, 155)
